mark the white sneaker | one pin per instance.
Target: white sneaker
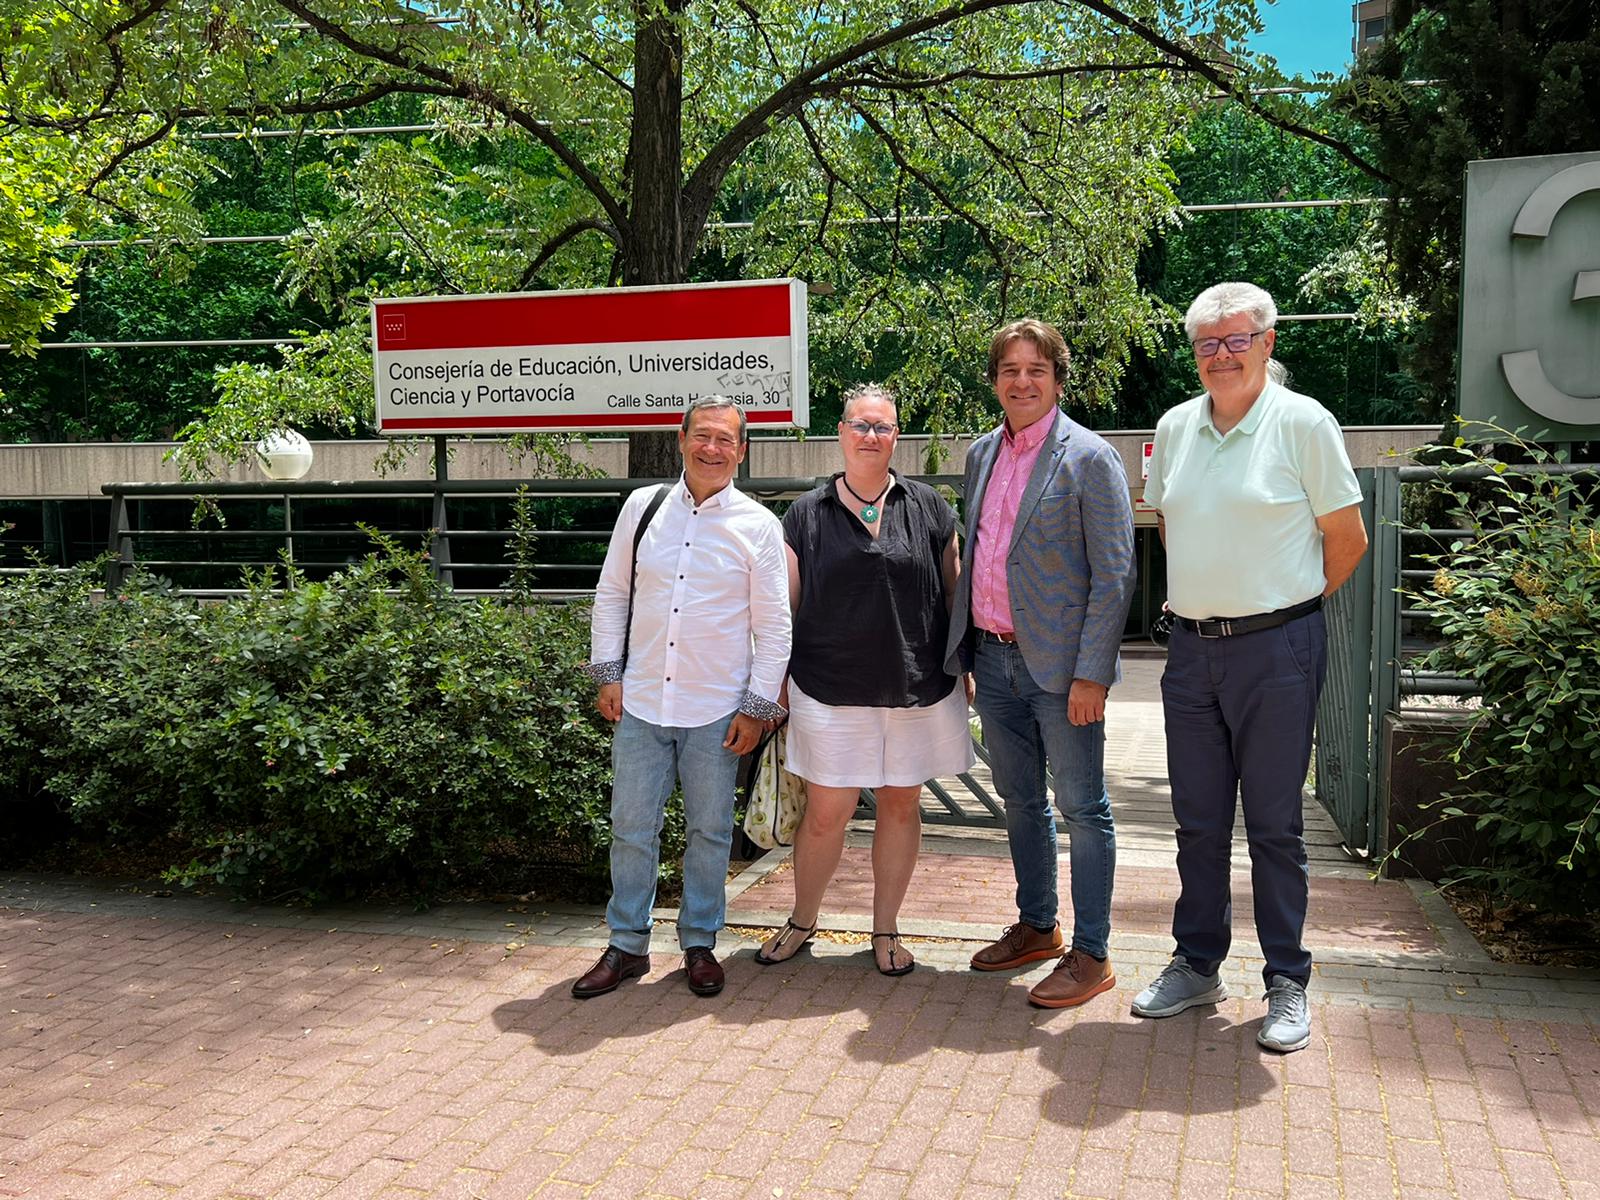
(1288, 1023)
(1179, 986)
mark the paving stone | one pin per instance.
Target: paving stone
(189, 1046)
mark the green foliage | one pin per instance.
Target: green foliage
(942, 168)
(309, 388)
(1315, 260)
(367, 733)
(1517, 601)
(171, 289)
(1458, 80)
(35, 268)
(144, 394)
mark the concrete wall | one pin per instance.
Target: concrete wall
(77, 470)
(1415, 774)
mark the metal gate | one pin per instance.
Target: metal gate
(1363, 620)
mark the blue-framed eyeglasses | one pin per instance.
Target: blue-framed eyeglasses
(862, 428)
(1237, 343)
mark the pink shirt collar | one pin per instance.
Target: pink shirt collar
(1031, 437)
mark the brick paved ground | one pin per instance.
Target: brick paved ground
(201, 1053)
(978, 890)
(184, 1047)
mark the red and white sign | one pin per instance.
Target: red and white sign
(1144, 475)
(607, 360)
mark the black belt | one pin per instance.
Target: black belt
(1005, 639)
(1221, 627)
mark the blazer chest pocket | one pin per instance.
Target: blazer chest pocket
(1057, 516)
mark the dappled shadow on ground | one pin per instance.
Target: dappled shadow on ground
(967, 1032)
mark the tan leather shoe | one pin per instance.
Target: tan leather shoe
(1018, 946)
(1077, 977)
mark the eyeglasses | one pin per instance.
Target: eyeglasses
(1237, 343)
(862, 428)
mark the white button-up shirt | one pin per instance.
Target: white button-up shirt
(711, 625)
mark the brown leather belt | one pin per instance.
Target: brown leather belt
(1221, 627)
(1005, 639)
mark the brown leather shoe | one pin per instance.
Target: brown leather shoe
(1018, 946)
(705, 972)
(614, 966)
(1077, 977)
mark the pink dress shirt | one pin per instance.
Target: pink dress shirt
(1008, 479)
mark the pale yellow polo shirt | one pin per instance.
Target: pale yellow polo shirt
(1241, 508)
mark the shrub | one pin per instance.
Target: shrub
(371, 732)
(65, 659)
(1517, 603)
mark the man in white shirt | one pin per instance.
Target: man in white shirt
(1261, 518)
(691, 681)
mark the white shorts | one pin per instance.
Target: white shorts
(847, 746)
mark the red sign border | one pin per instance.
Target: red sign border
(594, 422)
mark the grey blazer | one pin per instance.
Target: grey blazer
(1069, 569)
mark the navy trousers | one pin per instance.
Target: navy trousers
(1240, 715)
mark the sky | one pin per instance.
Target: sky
(1306, 36)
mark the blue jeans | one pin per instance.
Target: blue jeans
(1240, 714)
(645, 761)
(1024, 727)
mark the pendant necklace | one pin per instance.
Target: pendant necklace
(869, 508)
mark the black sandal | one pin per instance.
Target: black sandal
(789, 927)
(895, 948)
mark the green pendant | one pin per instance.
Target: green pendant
(869, 514)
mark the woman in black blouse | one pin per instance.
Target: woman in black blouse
(872, 566)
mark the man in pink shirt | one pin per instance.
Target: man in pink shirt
(1047, 578)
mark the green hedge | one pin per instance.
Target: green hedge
(1516, 599)
(373, 733)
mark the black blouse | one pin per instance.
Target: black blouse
(870, 629)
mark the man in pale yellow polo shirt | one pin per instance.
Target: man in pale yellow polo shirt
(1261, 519)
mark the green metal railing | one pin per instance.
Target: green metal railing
(264, 523)
(1372, 638)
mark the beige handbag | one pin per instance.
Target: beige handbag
(776, 799)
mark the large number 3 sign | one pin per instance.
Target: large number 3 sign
(1524, 373)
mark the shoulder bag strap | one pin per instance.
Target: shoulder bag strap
(633, 571)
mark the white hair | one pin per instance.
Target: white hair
(1223, 300)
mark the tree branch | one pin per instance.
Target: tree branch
(303, 109)
(422, 248)
(703, 185)
(984, 232)
(127, 152)
(550, 248)
(1205, 68)
(835, 180)
(475, 93)
(700, 191)
(601, 68)
(134, 20)
(750, 11)
(879, 79)
(1007, 161)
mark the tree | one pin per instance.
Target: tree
(1299, 255)
(1458, 80)
(941, 166)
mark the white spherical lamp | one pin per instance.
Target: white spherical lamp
(284, 454)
